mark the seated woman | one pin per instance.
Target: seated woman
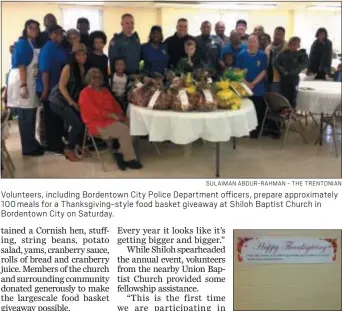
(193, 61)
(104, 117)
(64, 97)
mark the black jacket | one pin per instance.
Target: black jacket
(175, 47)
(197, 62)
(320, 56)
(291, 63)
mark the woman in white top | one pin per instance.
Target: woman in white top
(21, 92)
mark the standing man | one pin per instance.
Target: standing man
(220, 29)
(49, 21)
(83, 26)
(210, 46)
(126, 45)
(241, 27)
(264, 41)
(255, 61)
(272, 51)
(176, 42)
(259, 30)
(234, 47)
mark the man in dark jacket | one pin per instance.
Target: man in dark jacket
(290, 63)
(126, 45)
(176, 42)
(220, 29)
(49, 20)
(83, 26)
(210, 46)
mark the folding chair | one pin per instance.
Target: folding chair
(279, 110)
(331, 120)
(98, 153)
(5, 156)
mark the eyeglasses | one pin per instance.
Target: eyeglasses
(97, 77)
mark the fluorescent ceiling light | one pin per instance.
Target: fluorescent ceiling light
(98, 3)
(324, 7)
(240, 5)
(221, 5)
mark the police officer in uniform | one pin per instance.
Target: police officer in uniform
(126, 45)
(210, 47)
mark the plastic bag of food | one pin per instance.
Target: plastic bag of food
(226, 99)
(160, 100)
(183, 101)
(222, 85)
(165, 101)
(234, 74)
(135, 94)
(241, 89)
(157, 98)
(207, 101)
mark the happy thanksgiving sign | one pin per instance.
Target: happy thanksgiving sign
(286, 250)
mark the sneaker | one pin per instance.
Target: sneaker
(134, 164)
(120, 161)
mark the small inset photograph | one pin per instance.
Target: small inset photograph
(287, 270)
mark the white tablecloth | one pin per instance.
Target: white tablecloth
(324, 97)
(186, 127)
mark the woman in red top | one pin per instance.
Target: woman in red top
(104, 117)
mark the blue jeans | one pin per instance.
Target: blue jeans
(27, 130)
(274, 87)
(72, 119)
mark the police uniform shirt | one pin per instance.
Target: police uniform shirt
(128, 48)
(211, 49)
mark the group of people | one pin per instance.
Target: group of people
(70, 76)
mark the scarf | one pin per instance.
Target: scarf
(276, 49)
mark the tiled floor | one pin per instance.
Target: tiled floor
(251, 159)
